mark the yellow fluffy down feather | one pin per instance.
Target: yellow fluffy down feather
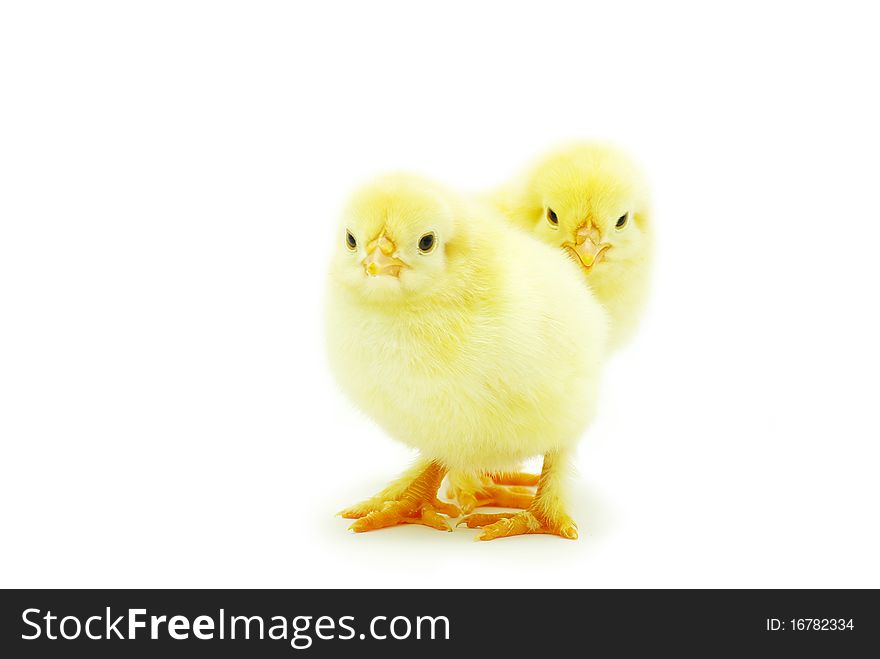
(480, 351)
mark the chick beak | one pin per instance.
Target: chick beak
(380, 259)
(588, 246)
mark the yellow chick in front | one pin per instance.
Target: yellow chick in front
(465, 338)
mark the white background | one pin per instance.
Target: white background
(171, 173)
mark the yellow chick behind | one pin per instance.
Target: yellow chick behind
(592, 200)
(466, 339)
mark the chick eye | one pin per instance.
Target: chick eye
(350, 241)
(621, 221)
(551, 217)
(426, 243)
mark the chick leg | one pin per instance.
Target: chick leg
(416, 504)
(544, 515)
(494, 489)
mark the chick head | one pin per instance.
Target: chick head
(396, 238)
(591, 200)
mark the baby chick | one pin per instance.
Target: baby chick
(466, 339)
(591, 200)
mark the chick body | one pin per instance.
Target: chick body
(480, 350)
(494, 360)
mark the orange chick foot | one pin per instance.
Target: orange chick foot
(427, 513)
(497, 490)
(417, 503)
(504, 525)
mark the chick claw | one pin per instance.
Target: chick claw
(407, 511)
(498, 490)
(504, 525)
